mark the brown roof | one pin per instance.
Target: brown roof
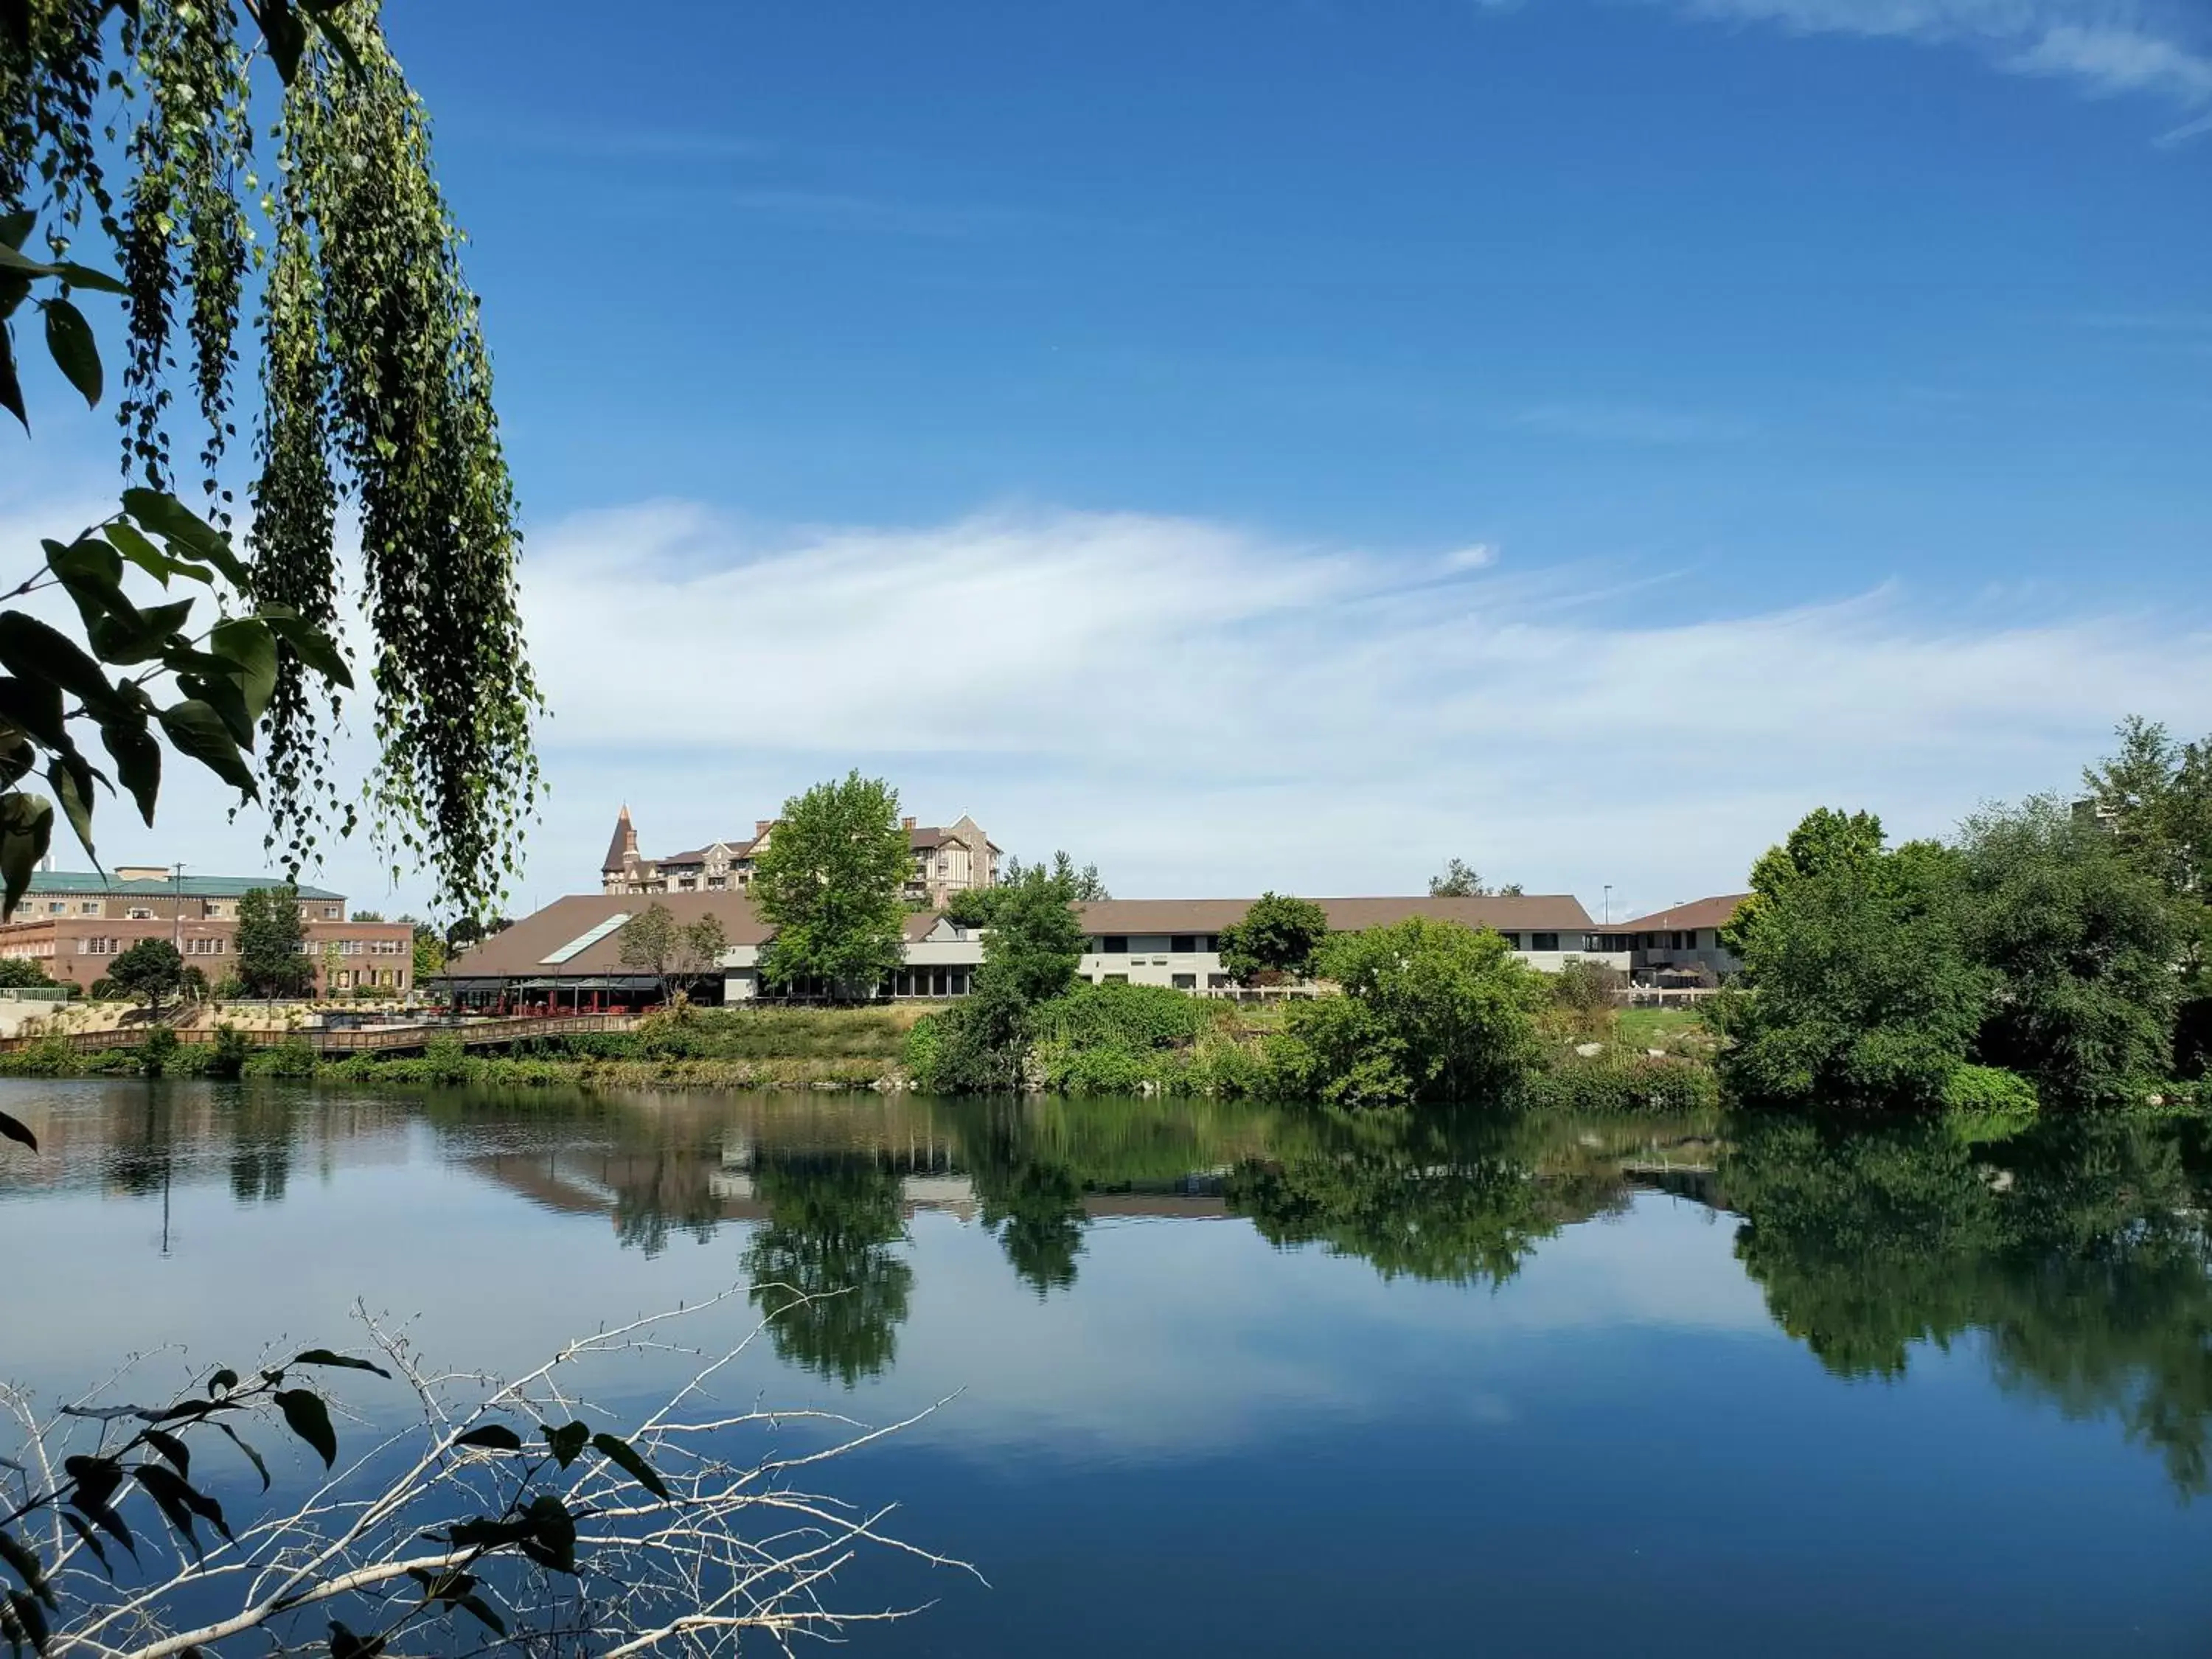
(519, 951)
(618, 844)
(1548, 912)
(1696, 913)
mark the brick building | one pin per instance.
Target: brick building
(74, 924)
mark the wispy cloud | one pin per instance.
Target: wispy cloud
(2158, 47)
(1631, 424)
(1203, 708)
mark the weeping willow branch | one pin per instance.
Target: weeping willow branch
(373, 388)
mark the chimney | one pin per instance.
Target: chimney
(761, 827)
(906, 824)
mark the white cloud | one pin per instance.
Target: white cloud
(2162, 47)
(1205, 709)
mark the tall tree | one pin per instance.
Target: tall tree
(150, 971)
(2083, 942)
(1824, 840)
(829, 881)
(372, 382)
(271, 963)
(1278, 937)
(1459, 880)
(1857, 987)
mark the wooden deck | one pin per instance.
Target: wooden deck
(365, 1039)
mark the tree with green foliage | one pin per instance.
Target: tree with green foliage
(271, 960)
(21, 973)
(1459, 880)
(429, 952)
(1825, 840)
(973, 907)
(1278, 938)
(829, 881)
(1030, 949)
(1430, 1010)
(2082, 943)
(677, 954)
(2154, 796)
(1856, 988)
(150, 972)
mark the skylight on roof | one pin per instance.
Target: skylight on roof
(584, 941)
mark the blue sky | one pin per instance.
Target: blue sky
(1280, 444)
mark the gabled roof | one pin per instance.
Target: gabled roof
(1694, 912)
(521, 952)
(1544, 913)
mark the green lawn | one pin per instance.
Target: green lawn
(1654, 1028)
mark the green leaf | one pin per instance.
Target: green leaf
(11, 389)
(33, 651)
(128, 636)
(69, 337)
(71, 778)
(16, 262)
(15, 1129)
(483, 1613)
(225, 1379)
(253, 1456)
(168, 1492)
(198, 731)
(90, 1540)
(308, 1418)
(15, 228)
(27, 826)
(134, 546)
(492, 1437)
(221, 693)
(619, 1451)
(137, 760)
(31, 1616)
(171, 1448)
(36, 707)
(567, 1441)
(344, 1644)
(312, 646)
(286, 34)
(92, 571)
(178, 524)
(247, 642)
(26, 1563)
(325, 1356)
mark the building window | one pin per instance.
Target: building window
(1183, 944)
(330, 912)
(1115, 944)
(1184, 981)
(1512, 940)
(203, 947)
(1217, 981)
(56, 908)
(1543, 941)
(88, 908)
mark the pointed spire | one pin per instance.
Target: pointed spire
(623, 847)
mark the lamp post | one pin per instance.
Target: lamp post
(1608, 904)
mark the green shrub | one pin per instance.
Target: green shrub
(1132, 1016)
(293, 1058)
(446, 1061)
(1987, 1103)
(227, 1055)
(50, 1055)
(1642, 1084)
(920, 1058)
(157, 1049)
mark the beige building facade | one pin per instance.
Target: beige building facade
(948, 858)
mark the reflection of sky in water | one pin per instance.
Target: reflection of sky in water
(1207, 1444)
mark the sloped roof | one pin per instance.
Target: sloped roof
(519, 951)
(1544, 912)
(619, 845)
(1695, 913)
(92, 882)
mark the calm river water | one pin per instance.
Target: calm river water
(1231, 1380)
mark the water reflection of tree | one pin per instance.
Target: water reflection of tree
(662, 1191)
(1462, 1196)
(823, 1264)
(1028, 1190)
(262, 1125)
(2078, 1250)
